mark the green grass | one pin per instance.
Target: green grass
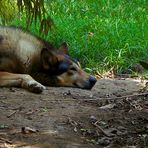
(118, 28)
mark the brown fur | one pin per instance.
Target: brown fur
(29, 62)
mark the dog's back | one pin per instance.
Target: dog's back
(19, 48)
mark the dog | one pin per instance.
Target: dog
(29, 62)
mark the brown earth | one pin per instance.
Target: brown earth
(113, 114)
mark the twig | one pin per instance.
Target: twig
(5, 140)
(72, 122)
(135, 95)
(14, 112)
(122, 97)
(101, 130)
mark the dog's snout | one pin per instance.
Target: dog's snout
(92, 80)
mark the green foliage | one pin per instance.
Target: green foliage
(31, 11)
(7, 11)
(34, 10)
(101, 34)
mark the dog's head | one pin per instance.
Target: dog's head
(67, 71)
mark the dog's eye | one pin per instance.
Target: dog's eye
(73, 69)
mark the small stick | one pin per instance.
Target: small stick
(12, 113)
(122, 97)
(16, 110)
(103, 132)
(5, 140)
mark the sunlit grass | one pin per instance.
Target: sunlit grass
(101, 34)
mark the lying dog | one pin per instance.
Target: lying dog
(29, 62)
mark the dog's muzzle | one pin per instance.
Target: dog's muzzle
(89, 83)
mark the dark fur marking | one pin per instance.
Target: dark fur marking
(10, 63)
(1, 38)
(71, 59)
(63, 67)
(45, 79)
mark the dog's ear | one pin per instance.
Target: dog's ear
(64, 48)
(48, 59)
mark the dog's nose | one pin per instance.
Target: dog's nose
(92, 80)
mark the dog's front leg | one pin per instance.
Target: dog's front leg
(46, 79)
(20, 80)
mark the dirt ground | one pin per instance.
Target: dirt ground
(113, 114)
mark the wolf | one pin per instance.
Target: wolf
(29, 62)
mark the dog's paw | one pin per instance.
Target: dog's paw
(34, 86)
